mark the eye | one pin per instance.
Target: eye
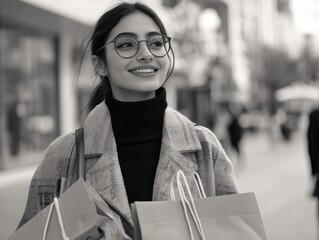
(156, 42)
(125, 43)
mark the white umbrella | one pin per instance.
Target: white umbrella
(298, 91)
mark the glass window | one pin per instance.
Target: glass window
(28, 95)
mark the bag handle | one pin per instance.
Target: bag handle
(191, 204)
(57, 207)
(187, 204)
(79, 142)
(199, 185)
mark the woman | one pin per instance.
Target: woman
(134, 143)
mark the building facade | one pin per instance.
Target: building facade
(38, 97)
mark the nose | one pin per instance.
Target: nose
(144, 53)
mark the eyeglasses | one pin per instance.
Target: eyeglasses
(128, 46)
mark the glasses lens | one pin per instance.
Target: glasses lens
(158, 45)
(126, 46)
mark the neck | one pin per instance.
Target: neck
(133, 96)
(137, 121)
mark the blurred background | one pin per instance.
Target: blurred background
(246, 69)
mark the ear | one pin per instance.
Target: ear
(99, 65)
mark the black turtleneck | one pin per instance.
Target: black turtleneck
(137, 128)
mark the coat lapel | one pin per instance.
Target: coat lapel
(179, 143)
(105, 176)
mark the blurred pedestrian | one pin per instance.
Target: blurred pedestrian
(235, 132)
(313, 147)
(134, 142)
(221, 128)
(14, 128)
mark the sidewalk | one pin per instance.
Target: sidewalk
(279, 173)
(14, 186)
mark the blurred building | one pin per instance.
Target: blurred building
(214, 53)
(256, 23)
(39, 53)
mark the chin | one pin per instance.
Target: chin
(148, 86)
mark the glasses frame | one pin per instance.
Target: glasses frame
(138, 48)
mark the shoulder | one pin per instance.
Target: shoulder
(203, 134)
(206, 135)
(56, 153)
(61, 145)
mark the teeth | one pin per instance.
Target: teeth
(145, 70)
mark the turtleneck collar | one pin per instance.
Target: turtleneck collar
(137, 122)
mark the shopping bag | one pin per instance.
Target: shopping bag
(111, 224)
(228, 217)
(79, 214)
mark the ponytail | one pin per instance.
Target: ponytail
(99, 93)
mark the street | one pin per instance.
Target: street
(277, 171)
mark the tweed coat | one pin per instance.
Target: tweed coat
(185, 147)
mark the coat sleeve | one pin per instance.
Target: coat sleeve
(216, 160)
(223, 170)
(45, 183)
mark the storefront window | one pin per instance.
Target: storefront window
(28, 94)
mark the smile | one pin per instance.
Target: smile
(144, 70)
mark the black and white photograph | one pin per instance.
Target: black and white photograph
(159, 119)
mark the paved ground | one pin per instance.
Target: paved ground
(14, 186)
(276, 171)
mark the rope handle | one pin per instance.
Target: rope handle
(187, 204)
(199, 185)
(57, 207)
(191, 204)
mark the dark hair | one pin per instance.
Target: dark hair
(101, 32)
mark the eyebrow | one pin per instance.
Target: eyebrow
(135, 35)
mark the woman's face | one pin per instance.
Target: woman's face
(135, 78)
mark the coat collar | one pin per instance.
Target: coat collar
(179, 137)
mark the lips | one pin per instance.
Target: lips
(143, 70)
